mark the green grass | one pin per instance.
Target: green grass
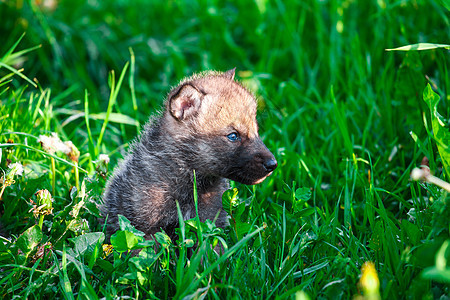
(344, 118)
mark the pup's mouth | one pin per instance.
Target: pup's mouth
(249, 179)
(261, 179)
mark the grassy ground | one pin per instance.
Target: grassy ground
(344, 118)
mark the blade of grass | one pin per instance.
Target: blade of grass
(133, 92)
(197, 218)
(112, 100)
(88, 128)
(65, 282)
(18, 73)
(13, 47)
(181, 258)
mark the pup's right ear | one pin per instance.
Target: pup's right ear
(185, 102)
(230, 73)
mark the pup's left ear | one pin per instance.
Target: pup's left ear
(230, 74)
(185, 102)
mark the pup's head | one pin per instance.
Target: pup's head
(213, 118)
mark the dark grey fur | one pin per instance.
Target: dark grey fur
(192, 133)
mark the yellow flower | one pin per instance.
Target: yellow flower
(369, 281)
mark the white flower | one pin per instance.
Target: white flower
(15, 169)
(104, 158)
(53, 143)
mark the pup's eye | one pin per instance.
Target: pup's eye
(234, 136)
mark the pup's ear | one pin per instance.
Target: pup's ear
(230, 74)
(185, 102)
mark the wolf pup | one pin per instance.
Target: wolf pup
(208, 125)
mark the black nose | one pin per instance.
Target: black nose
(270, 164)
